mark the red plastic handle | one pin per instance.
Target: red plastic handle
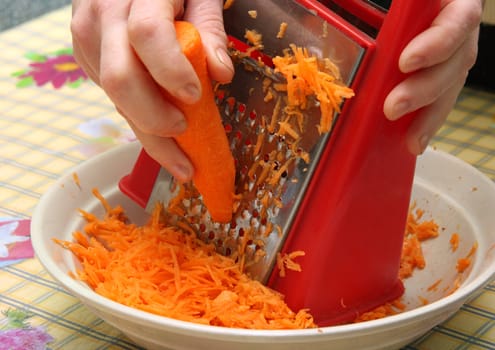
(404, 21)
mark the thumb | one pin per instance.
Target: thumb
(207, 16)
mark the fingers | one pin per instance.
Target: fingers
(129, 85)
(431, 118)
(438, 61)
(85, 38)
(166, 152)
(207, 16)
(129, 48)
(427, 85)
(450, 29)
(152, 35)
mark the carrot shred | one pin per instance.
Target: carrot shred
(76, 179)
(227, 4)
(454, 241)
(167, 271)
(254, 38)
(382, 311)
(305, 77)
(253, 14)
(286, 261)
(464, 263)
(423, 300)
(282, 30)
(434, 286)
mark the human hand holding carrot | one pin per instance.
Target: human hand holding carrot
(129, 48)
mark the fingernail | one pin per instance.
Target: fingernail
(189, 93)
(400, 109)
(182, 172)
(423, 143)
(179, 127)
(224, 58)
(413, 63)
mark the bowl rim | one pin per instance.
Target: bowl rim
(94, 300)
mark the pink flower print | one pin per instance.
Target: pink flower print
(30, 338)
(58, 70)
(15, 242)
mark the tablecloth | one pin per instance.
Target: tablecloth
(53, 118)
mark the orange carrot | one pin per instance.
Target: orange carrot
(434, 286)
(205, 141)
(75, 177)
(305, 78)
(454, 241)
(227, 4)
(464, 263)
(167, 271)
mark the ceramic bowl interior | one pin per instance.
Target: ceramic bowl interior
(456, 195)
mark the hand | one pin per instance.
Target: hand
(129, 48)
(439, 59)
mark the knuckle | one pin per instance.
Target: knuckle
(140, 28)
(112, 81)
(473, 14)
(470, 58)
(101, 7)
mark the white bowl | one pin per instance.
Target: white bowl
(455, 194)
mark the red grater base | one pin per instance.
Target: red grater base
(362, 185)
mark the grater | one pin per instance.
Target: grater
(342, 197)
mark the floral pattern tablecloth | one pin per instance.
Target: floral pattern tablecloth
(52, 118)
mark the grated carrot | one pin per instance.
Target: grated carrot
(454, 241)
(254, 38)
(227, 4)
(76, 179)
(305, 78)
(464, 263)
(282, 30)
(423, 300)
(434, 286)
(164, 270)
(382, 311)
(286, 262)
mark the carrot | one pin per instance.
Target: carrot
(286, 261)
(434, 286)
(305, 77)
(205, 141)
(464, 263)
(454, 241)
(282, 30)
(165, 270)
(227, 4)
(75, 177)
